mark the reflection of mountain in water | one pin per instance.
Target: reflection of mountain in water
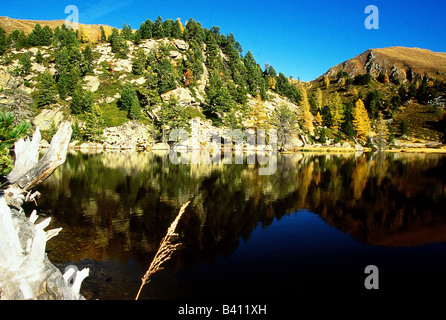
(119, 205)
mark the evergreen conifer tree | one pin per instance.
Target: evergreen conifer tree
(3, 41)
(158, 29)
(46, 89)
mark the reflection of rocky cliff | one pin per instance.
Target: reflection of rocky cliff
(118, 205)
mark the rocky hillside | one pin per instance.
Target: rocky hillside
(129, 88)
(168, 77)
(401, 62)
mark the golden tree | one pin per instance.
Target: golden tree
(318, 118)
(337, 110)
(305, 115)
(361, 120)
(326, 81)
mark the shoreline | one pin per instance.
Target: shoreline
(318, 149)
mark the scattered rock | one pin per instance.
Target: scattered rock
(131, 136)
(48, 116)
(91, 83)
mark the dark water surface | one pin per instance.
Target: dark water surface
(310, 228)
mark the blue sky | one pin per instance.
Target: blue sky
(302, 39)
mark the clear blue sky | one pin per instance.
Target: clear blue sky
(299, 38)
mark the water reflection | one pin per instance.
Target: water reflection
(116, 206)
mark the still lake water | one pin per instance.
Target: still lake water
(310, 228)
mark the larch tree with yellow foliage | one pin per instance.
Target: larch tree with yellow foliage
(337, 110)
(361, 120)
(318, 118)
(326, 81)
(305, 115)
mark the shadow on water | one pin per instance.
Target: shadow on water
(313, 226)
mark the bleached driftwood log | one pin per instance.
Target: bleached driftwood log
(25, 270)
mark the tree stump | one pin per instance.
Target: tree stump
(25, 270)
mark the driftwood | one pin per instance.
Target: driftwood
(25, 270)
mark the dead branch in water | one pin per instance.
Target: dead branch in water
(165, 250)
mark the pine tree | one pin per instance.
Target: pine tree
(39, 57)
(158, 30)
(285, 121)
(177, 31)
(62, 60)
(168, 27)
(46, 89)
(166, 81)
(94, 123)
(103, 37)
(87, 61)
(127, 95)
(135, 110)
(361, 121)
(150, 90)
(213, 60)
(63, 84)
(137, 40)
(323, 136)
(25, 64)
(3, 41)
(35, 38)
(146, 29)
(126, 32)
(74, 76)
(139, 62)
(347, 125)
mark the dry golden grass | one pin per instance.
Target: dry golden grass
(91, 31)
(421, 60)
(167, 247)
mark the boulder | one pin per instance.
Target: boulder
(91, 83)
(181, 44)
(47, 117)
(124, 65)
(182, 94)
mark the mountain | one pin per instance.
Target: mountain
(401, 62)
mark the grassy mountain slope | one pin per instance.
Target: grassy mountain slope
(91, 31)
(395, 60)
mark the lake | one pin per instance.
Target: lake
(312, 227)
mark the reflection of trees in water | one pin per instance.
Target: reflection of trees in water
(119, 205)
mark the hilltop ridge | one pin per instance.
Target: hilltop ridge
(401, 62)
(91, 31)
